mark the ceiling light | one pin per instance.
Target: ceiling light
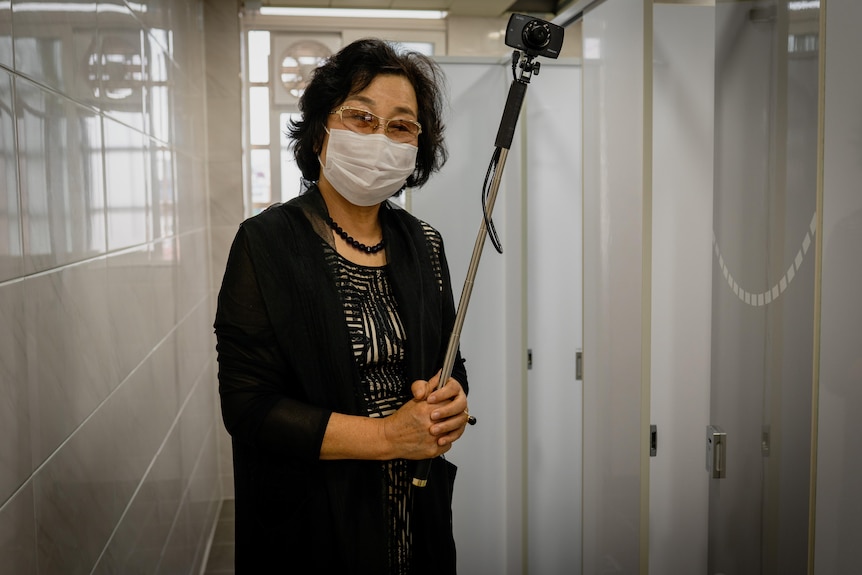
(804, 5)
(353, 13)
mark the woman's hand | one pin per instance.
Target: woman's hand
(450, 410)
(423, 428)
(427, 425)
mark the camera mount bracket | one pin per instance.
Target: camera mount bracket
(524, 62)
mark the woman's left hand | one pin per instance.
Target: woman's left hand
(449, 418)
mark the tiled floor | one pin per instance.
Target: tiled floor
(220, 561)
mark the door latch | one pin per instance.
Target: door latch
(579, 365)
(716, 451)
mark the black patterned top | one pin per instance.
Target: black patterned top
(377, 336)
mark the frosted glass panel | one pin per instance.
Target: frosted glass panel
(763, 284)
(614, 204)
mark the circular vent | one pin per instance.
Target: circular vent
(298, 62)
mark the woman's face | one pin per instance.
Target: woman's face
(387, 96)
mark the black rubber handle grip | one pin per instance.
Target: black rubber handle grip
(420, 474)
(506, 131)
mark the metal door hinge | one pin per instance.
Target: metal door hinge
(653, 440)
(529, 358)
(579, 365)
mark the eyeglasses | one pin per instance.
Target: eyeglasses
(364, 122)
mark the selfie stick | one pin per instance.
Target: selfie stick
(524, 69)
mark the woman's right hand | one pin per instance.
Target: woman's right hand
(409, 433)
(408, 430)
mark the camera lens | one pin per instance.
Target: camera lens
(537, 34)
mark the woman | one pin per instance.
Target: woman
(333, 317)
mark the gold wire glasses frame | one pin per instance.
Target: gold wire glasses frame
(364, 122)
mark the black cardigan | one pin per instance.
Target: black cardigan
(285, 364)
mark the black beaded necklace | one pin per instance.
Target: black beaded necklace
(350, 240)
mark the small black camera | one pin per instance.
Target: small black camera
(534, 36)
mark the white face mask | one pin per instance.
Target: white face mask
(367, 169)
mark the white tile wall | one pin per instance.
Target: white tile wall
(109, 462)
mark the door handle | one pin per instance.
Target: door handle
(716, 452)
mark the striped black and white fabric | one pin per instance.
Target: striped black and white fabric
(378, 336)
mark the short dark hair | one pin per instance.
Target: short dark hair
(350, 71)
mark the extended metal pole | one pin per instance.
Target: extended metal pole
(514, 102)
(420, 477)
(452, 350)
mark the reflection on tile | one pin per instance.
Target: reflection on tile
(71, 359)
(163, 280)
(154, 14)
(6, 33)
(195, 423)
(191, 177)
(18, 534)
(105, 300)
(225, 203)
(164, 527)
(204, 495)
(77, 499)
(11, 249)
(126, 185)
(187, 43)
(195, 335)
(192, 283)
(59, 143)
(221, 555)
(137, 545)
(118, 62)
(164, 192)
(158, 75)
(54, 42)
(15, 457)
(190, 133)
(134, 304)
(90, 482)
(183, 553)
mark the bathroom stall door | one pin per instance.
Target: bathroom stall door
(553, 208)
(683, 116)
(765, 186)
(487, 508)
(617, 81)
(839, 467)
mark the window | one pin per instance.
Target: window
(278, 65)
